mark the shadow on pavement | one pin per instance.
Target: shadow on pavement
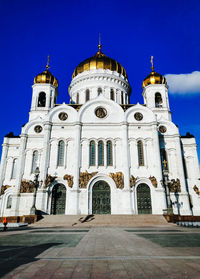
(12, 257)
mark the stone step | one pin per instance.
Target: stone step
(102, 220)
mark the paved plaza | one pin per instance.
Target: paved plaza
(103, 252)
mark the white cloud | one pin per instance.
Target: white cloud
(184, 83)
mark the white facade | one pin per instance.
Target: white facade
(63, 148)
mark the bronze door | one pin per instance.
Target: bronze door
(144, 199)
(101, 198)
(58, 199)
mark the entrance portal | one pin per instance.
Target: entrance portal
(101, 198)
(144, 199)
(58, 199)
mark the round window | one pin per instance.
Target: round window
(38, 129)
(138, 116)
(101, 112)
(63, 116)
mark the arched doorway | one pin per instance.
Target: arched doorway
(101, 198)
(144, 199)
(58, 199)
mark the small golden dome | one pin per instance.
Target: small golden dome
(153, 77)
(99, 61)
(46, 77)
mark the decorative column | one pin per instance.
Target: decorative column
(87, 147)
(77, 151)
(65, 157)
(84, 160)
(159, 193)
(157, 160)
(125, 156)
(53, 160)
(20, 171)
(105, 154)
(74, 193)
(114, 154)
(126, 197)
(146, 159)
(183, 196)
(21, 160)
(96, 154)
(3, 161)
(28, 163)
(9, 167)
(46, 150)
(149, 154)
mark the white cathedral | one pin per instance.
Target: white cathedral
(99, 154)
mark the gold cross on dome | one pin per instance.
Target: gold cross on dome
(152, 67)
(47, 66)
(99, 45)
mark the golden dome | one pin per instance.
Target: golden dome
(46, 77)
(99, 61)
(153, 77)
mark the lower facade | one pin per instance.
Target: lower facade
(101, 196)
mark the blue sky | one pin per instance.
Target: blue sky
(131, 32)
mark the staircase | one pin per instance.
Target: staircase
(102, 221)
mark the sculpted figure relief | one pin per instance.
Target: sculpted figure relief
(196, 190)
(69, 179)
(27, 186)
(84, 179)
(132, 181)
(118, 177)
(153, 181)
(4, 188)
(175, 185)
(49, 179)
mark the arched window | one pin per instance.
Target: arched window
(87, 95)
(42, 99)
(61, 153)
(140, 153)
(122, 98)
(92, 153)
(77, 98)
(99, 91)
(34, 161)
(14, 169)
(9, 202)
(112, 94)
(164, 160)
(109, 154)
(100, 153)
(158, 100)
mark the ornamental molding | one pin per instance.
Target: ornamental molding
(153, 181)
(175, 186)
(118, 178)
(133, 181)
(70, 180)
(49, 179)
(84, 178)
(4, 188)
(196, 189)
(27, 186)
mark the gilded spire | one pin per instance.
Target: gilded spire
(47, 66)
(152, 67)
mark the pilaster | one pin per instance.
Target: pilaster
(126, 163)
(3, 161)
(21, 162)
(46, 150)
